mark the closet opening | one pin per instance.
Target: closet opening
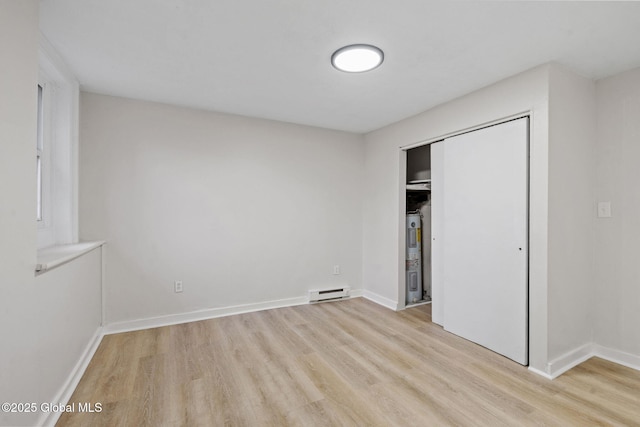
(418, 226)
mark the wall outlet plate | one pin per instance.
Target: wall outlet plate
(177, 286)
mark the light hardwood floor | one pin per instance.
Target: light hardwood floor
(350, 362)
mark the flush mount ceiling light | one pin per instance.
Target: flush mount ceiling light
(357, 58)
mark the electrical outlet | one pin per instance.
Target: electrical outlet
(177, 286)
(336, 269)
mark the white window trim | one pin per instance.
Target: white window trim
(60, 169)
(40, 155)
(45, 229)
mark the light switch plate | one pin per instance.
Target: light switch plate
(604, 209)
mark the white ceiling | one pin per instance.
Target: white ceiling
(271, 58)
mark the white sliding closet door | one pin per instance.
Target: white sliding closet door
(485, 237)
(437, 232)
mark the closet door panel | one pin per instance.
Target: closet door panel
(485, 237)
(437, 232)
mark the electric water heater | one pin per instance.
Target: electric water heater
(414, 258)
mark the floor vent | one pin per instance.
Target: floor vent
(329, 294)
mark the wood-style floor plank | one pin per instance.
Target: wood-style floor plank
(345, 363)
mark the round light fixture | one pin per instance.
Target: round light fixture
(357, 58)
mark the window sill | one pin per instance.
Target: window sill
(55, 256)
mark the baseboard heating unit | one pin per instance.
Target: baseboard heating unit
(329, 294)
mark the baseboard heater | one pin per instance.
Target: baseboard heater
(329, 294)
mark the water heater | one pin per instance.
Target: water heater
(414, 258)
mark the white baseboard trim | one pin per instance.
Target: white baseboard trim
(69, 386)
(562, 364)
(194, 316)
(356, 293)
(541, 373)
(211, 313)
(616, 356)
(379, 299)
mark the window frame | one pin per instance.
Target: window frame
(59, 151)
(44, 148)
(39, 154)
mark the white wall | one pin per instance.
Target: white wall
(241, 210)
(384, 182)
(69, 320)
(572, 136)
(45, 322)
(18, 296)
(617, 289)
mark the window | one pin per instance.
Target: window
(56, 151)
(45, 147)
